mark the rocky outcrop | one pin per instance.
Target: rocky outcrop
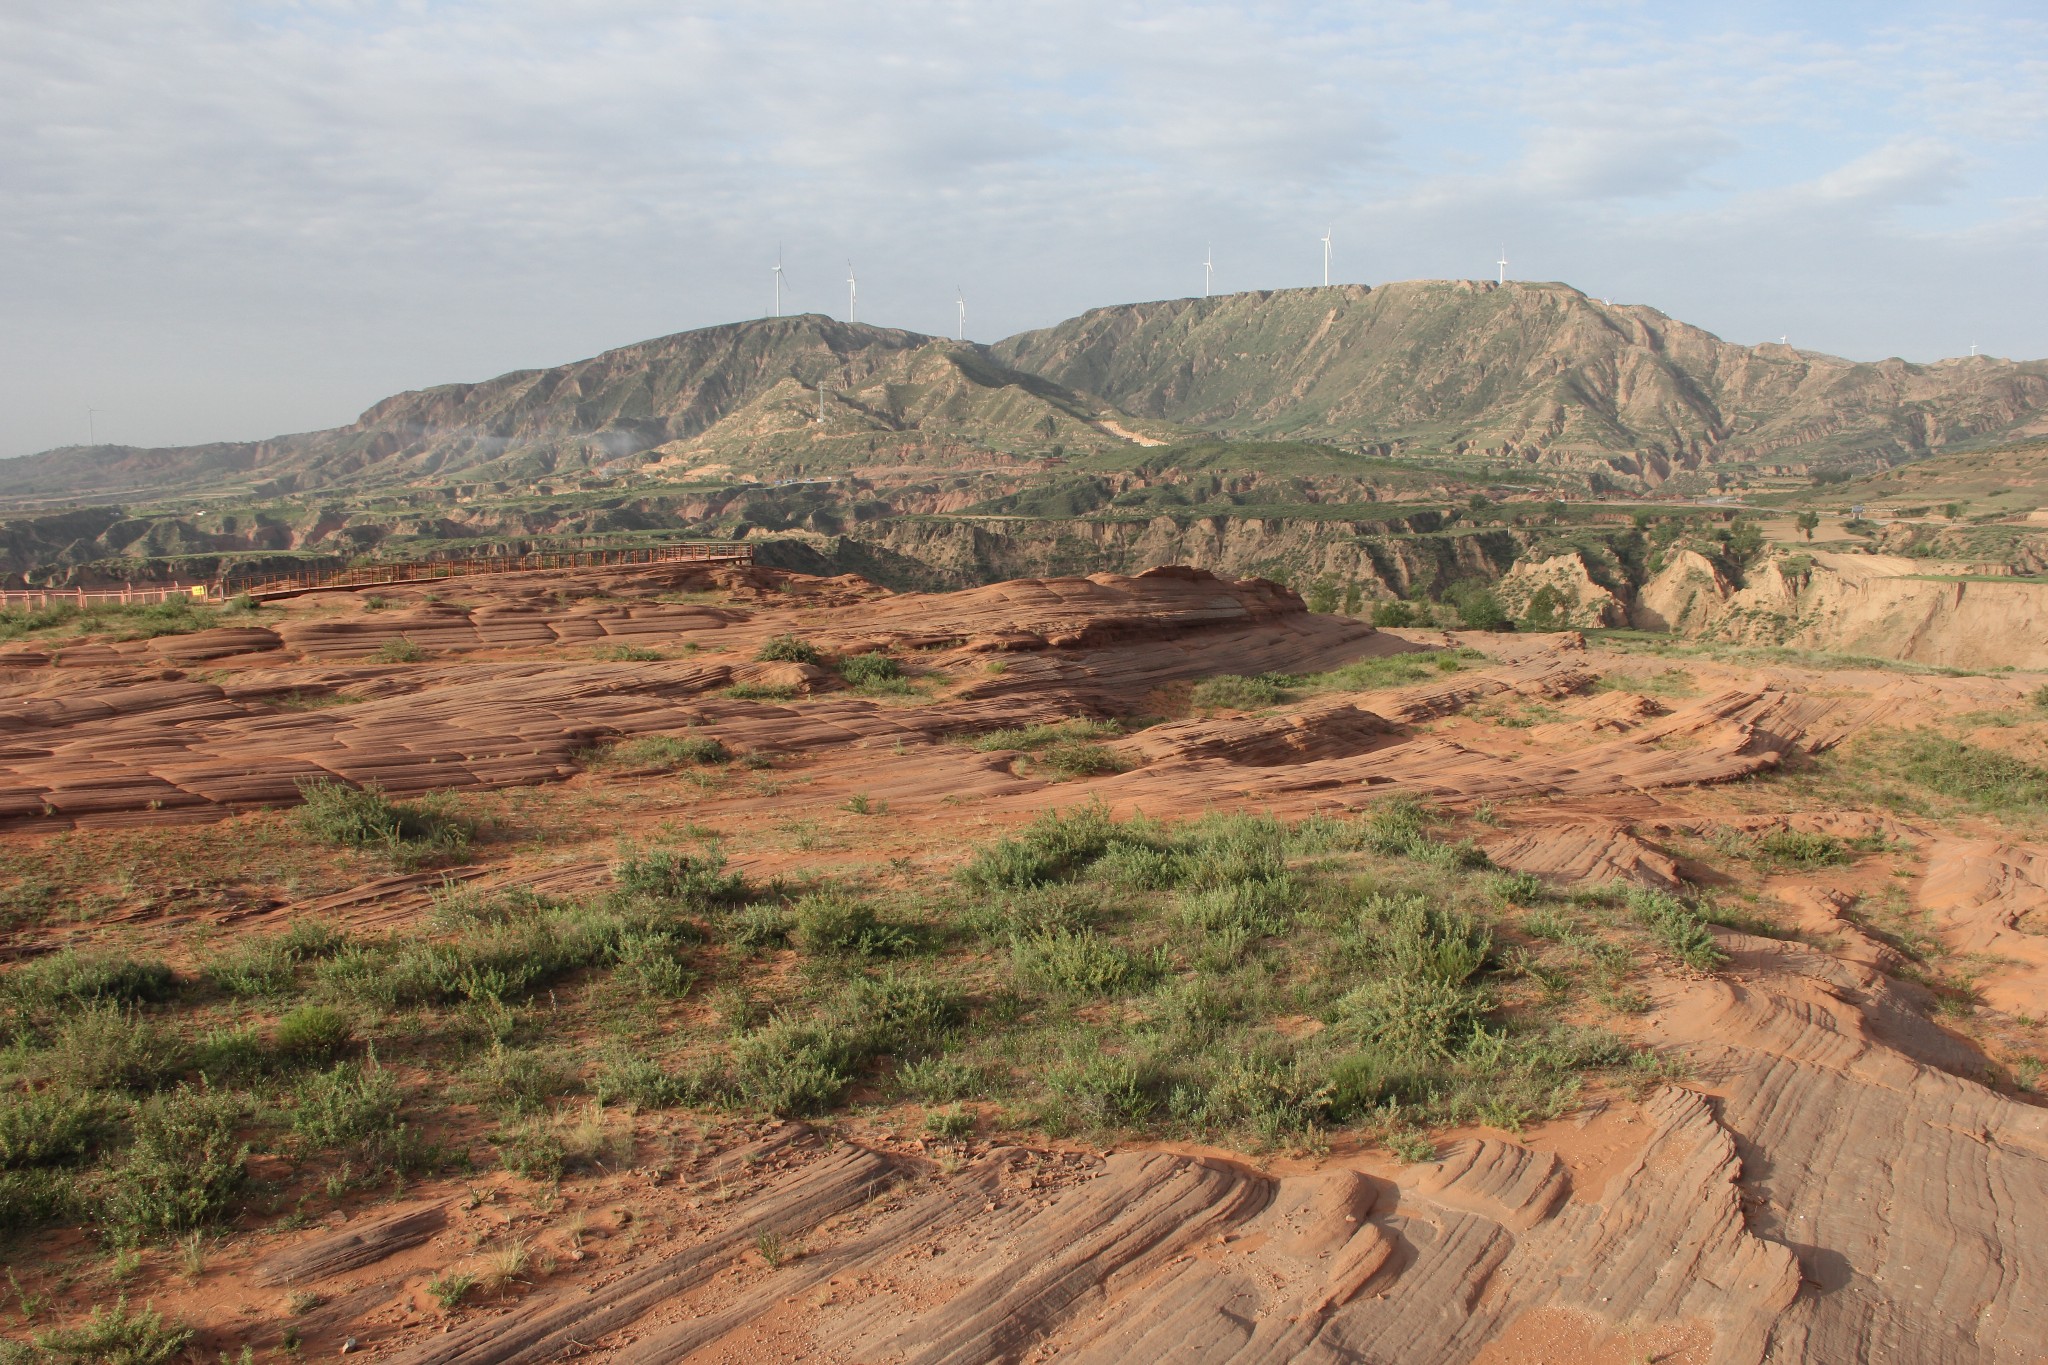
(1876, 605)
(1558, 594)
(1685, 596)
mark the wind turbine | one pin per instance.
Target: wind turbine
(1503, 264)
(1973, 348)
(1326, 258)
(960, 333)
(852, 295)
(1208, 270)
(778, 281)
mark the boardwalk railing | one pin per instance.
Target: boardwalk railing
(430, 570)
(371, 575)
(44, 598)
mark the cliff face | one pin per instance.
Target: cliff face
(1878, 605)
(1538, 371)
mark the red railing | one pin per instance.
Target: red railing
(430, 570)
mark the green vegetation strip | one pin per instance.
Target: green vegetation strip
(1235, 980)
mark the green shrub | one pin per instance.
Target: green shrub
(1675, 926)
(652, 967)
(759, 926)
(1802, 850)
(642, 1082)
(940, 1079)
(106, 1047)
(834, 922)
(354, 1104)
(869, 670)
(450, 1288)
(1418, 1018)
(183, 1168)
(1033, 737)
(400, 650)
(116, 1337)
(628, 654)
(761, 692)
(1397, 614)
(789, 649)
(65, 980)
(38, 1195)
(952, 1124)
(1077, 962)
(51, 1126)
(699, 882)
(1241, 694)
(1478, 606)
(1106, 1090)
(794, 1068)
(231, 1054)
(1967, 772)
(268, 966)
(671, 751)
(363, 817)
(312, 1034)
(1052, 848)
(1078, 758)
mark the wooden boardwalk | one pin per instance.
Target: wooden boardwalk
(266, 587)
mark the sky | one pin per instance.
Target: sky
(228, 219)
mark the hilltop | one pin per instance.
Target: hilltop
(1535, 372)
(1517, 376)
(745, 393)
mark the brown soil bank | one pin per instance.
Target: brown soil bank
(1881, 606)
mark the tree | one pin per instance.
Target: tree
(1809, 522)
(1954, 511)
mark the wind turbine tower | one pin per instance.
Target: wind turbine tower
(960, 331)
(852, 295)
(1208, 271)
(1502, 263)
(778, 282)
(1326, 258)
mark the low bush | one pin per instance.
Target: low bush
(1676, 927)
(1794, 849)
(1052, 848)
(117, 1337)
(312, 1034)
(628, 654)
(184, 1165)
(363, 817)
(52, 1126)
(1242, 694)
(107, 1047)
(834, 922)
(355, 1104)
(870, 670)
(1077, 962)
(400, 650)
(1033, 737)
(789, 649)
(697, 882)
(1078, 758)
(65, 980)
(269, 966)
(671, 751)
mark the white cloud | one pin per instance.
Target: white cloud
(225, 218)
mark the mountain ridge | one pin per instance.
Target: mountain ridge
(1536, 373)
